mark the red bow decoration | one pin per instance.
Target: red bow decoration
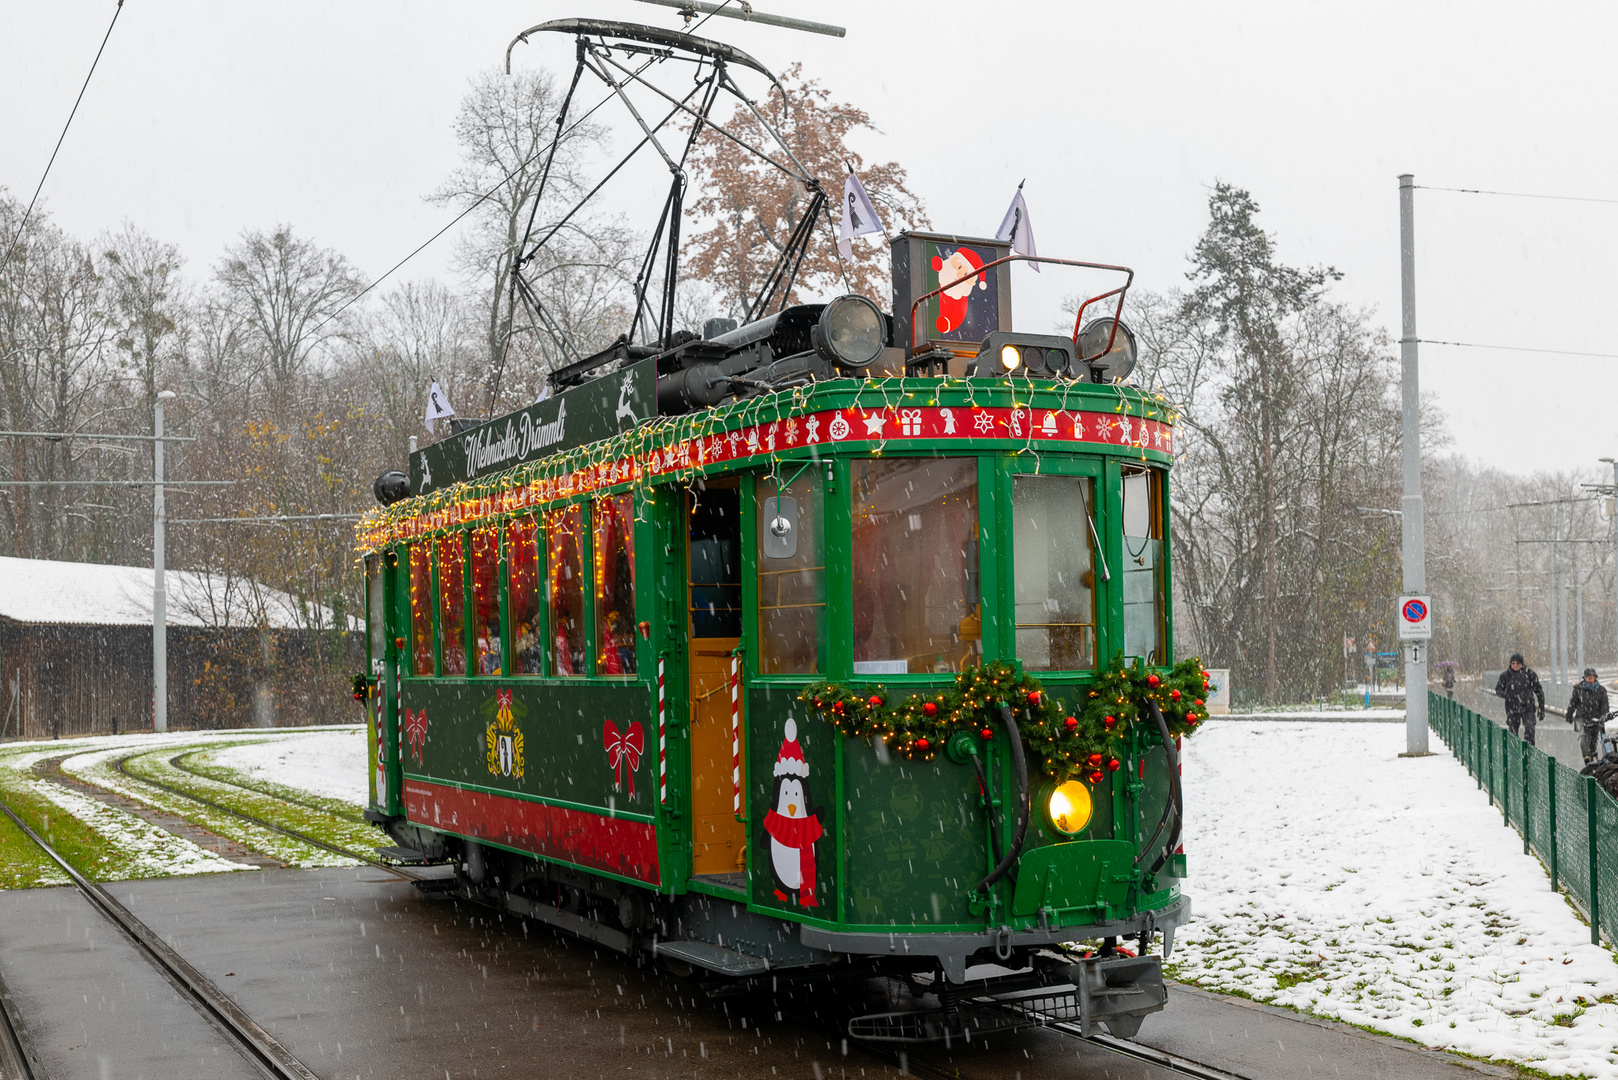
(416, 731)
(502, 699)
(630, 745)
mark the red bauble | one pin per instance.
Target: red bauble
(922, 744)
(837, 707)
(1094, 759)
(1174, 695)
(1112, 764)
(1111, 722)
(1152, 680)
(1095, 777)
(1200, 701)
(929, 709)
(1071, 723)
(1033, 697)
(874, 701)
(819, 704)
(987, 733)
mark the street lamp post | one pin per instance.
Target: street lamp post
(160, 644)
(1411, 521)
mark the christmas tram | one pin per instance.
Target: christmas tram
(810, 647)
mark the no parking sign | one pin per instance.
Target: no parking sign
(1415, 618)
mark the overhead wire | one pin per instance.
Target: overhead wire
(1516, 194)
(75, 111)
(1517, 348)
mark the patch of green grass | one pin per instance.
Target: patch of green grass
(1566, 1019)
(340, 826)
(201, 761)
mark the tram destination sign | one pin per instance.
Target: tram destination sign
(599, 409)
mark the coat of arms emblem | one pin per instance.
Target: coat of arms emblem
(503, 739)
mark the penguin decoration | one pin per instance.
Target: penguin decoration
(792, 827)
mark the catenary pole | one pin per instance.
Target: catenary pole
(1615, 551)
(1561, 597)
(1412, 527)
(1577, 675)
(160, 629)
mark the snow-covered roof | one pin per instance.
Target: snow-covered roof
(96, 594)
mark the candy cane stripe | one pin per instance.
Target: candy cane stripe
(735, 735)
(662, 739)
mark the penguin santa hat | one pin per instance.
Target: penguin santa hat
(791, 762)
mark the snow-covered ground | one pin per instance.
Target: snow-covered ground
(327, 763)
(1330, 875)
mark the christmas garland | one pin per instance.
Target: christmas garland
(1084, 737)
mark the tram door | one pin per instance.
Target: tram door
(714, 604)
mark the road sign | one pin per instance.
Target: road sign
(1415, 618)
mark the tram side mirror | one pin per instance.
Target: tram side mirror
(778, 528)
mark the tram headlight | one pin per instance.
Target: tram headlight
(1036, 356)
(1112, 351)
(850, 332)
(1069, 807)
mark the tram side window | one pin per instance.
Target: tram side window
(614, 528)
(1054, 572)
(791, 576)
(564, 577)
(916, 600)
(486, 600)
(522, 603)
(451, 606)
(421, 609)
(376, 635)
(1143, 564)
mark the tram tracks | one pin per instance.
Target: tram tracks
(238, 1029)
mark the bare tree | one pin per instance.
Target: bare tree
(287, 291)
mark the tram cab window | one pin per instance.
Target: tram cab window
(377, 633)
(451, 606)
(1054, 572)
(614, 565)
(715, 592)
(915, 530)
(1143, 564)
(421, 609)
(486, 601)
(522, 600)
(564, 578)
(791, 575)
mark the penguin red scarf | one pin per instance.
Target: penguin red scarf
(800, 833)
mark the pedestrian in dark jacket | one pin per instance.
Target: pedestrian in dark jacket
(1587, 711)
(1525, 698)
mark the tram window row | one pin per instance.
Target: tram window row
(552, 593)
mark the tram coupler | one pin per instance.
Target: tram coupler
(1118, 991)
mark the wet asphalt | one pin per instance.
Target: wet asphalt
(360, 975)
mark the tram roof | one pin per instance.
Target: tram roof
(48, 592)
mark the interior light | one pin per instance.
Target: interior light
(1010, 358)
(1070, 807)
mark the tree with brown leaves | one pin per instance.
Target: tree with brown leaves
(750, 207)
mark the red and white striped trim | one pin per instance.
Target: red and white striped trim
(662, 739)
(736, 734)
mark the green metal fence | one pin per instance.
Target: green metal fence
(1565, 818)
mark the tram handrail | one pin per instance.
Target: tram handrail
(1119, 292)
(1019, 762)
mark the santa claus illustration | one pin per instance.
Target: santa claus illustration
(962, 263)
(791, 826)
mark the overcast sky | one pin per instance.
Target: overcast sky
(205, 119)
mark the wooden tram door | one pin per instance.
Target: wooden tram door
(714, 607)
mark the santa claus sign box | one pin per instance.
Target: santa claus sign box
(973, 303)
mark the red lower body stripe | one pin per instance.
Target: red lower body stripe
(591, 840)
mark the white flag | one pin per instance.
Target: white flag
(438, 406)
(1017, 228)
(859, 216)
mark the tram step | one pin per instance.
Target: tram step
(713, 957)
(403, 855)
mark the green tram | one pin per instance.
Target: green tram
(815, 646)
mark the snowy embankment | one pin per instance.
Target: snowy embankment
(1332, 876)
(326, 763)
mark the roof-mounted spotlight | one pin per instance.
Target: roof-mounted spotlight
(1037, 356)
(1109, 354)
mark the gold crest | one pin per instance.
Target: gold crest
(503, 740)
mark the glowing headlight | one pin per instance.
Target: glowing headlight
(1010, 358)
(1069, 807)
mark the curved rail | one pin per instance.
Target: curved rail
(256, 1044)
(302, 837)
(15, 1059)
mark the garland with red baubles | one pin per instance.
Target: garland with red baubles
(1081, 737)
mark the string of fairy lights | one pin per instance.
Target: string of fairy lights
(657, 451)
